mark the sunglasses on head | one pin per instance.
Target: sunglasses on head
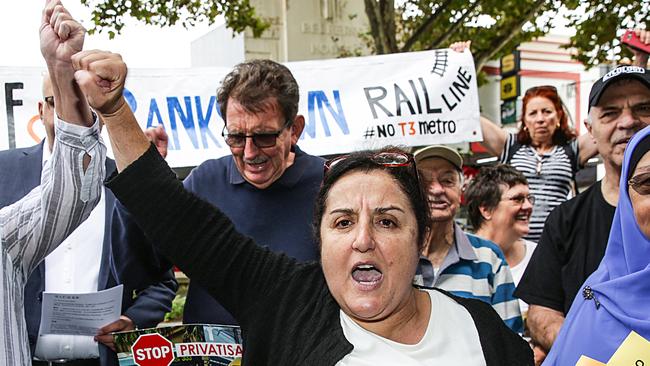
(388, 159)
(640, 183)
(534, 89)
(262, 140)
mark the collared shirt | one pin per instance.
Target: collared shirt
(34, 226)
(475, 268)
(73, 267)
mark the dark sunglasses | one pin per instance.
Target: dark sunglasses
(262, 140)
(640, 183)
(49, 100)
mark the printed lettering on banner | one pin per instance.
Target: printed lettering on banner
(349, 104)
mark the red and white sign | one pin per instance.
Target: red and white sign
(152, 350)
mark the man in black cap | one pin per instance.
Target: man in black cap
(576, 232)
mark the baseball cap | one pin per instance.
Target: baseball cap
(633, 72)
(440, 151)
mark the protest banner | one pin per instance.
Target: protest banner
(408, 99)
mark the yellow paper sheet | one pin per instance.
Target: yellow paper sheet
(634, 351)
(586, 361)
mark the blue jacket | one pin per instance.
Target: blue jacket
(21, 172)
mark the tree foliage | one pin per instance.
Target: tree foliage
(597, 22)
(495, 27)
(108, 15)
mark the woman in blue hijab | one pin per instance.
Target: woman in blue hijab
(615, 299)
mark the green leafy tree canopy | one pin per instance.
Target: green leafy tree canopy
(108, 15)
(495, 27)
(599, 24)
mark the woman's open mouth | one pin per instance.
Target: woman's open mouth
(368, 276)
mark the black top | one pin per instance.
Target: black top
(285, 309)
(571, 247)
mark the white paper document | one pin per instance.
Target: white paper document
(80, 314)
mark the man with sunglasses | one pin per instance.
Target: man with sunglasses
(267, 186)
(461, 263)
(575, 234)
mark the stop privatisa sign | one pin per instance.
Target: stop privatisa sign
(152, 350)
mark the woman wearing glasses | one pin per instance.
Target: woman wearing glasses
(613, 301)
(545, 149)
(499, 207)
(356, 306)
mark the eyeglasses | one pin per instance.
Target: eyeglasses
(640, 183)
(387, 159)
(261, 140)
(521, 198)
(49, 100)
(535, 89)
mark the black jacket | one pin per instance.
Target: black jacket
(285, 309)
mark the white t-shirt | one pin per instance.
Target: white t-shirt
(518, 270)
(450, 339)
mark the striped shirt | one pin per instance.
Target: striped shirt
(550, 177)
(33, 227)
(475, 268)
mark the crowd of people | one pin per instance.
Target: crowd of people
(359, 256)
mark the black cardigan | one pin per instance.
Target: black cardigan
(285, 309)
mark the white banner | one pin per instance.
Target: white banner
(410, 99)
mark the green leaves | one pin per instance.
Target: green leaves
(109, 15)
(497, 27)
(599, 25)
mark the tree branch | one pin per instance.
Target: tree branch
(481, 58)
(372, 12)
(381, 15)
(388, 19)
(425, 26)
(445, 36)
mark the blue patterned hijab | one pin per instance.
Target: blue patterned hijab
(615, 299)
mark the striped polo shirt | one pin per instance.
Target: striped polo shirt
(549, 175)
(475, 268)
